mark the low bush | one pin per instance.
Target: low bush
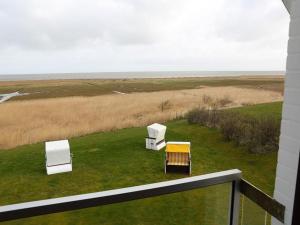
(204, 117)
(229, 127)
(198, 116)
(226, 100)
(258, 135)
(265, 135)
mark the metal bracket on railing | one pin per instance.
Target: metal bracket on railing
(273, 207)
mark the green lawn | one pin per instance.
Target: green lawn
(268, 109)
(116, 159)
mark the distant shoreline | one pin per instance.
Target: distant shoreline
(136, 75)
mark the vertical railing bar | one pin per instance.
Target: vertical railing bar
(234, 203)
(231, 203)
(266, 217)
(242, 210)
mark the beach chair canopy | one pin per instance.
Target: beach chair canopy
(58, 157)
(157, 131)
(183, 147)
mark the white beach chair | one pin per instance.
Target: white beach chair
(58, 157)
(156, 136)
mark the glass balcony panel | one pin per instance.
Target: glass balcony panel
(252, 214)
(205, 206)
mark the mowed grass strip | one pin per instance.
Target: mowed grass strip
(261, 110)
(117, 159)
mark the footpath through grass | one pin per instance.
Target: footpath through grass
(117, 159)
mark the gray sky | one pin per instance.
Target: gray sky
(141, 35)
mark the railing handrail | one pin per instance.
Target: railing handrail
(63, 204)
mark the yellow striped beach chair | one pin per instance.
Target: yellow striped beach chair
(178, 154)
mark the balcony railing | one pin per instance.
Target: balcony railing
(238, 187)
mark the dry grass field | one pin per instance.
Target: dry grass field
(40, 89)
(31, 121)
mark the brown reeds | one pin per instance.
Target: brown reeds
(31, 121)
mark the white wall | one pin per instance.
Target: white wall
(288, 155)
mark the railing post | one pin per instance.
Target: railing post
(234, 203)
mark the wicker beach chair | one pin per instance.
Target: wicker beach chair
(178, 155)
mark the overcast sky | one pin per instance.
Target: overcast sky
(51, 36)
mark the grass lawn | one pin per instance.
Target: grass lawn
(118, 159)
(269, 109)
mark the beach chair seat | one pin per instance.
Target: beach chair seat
(58, 157)
(178, 154)
(178, 159)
